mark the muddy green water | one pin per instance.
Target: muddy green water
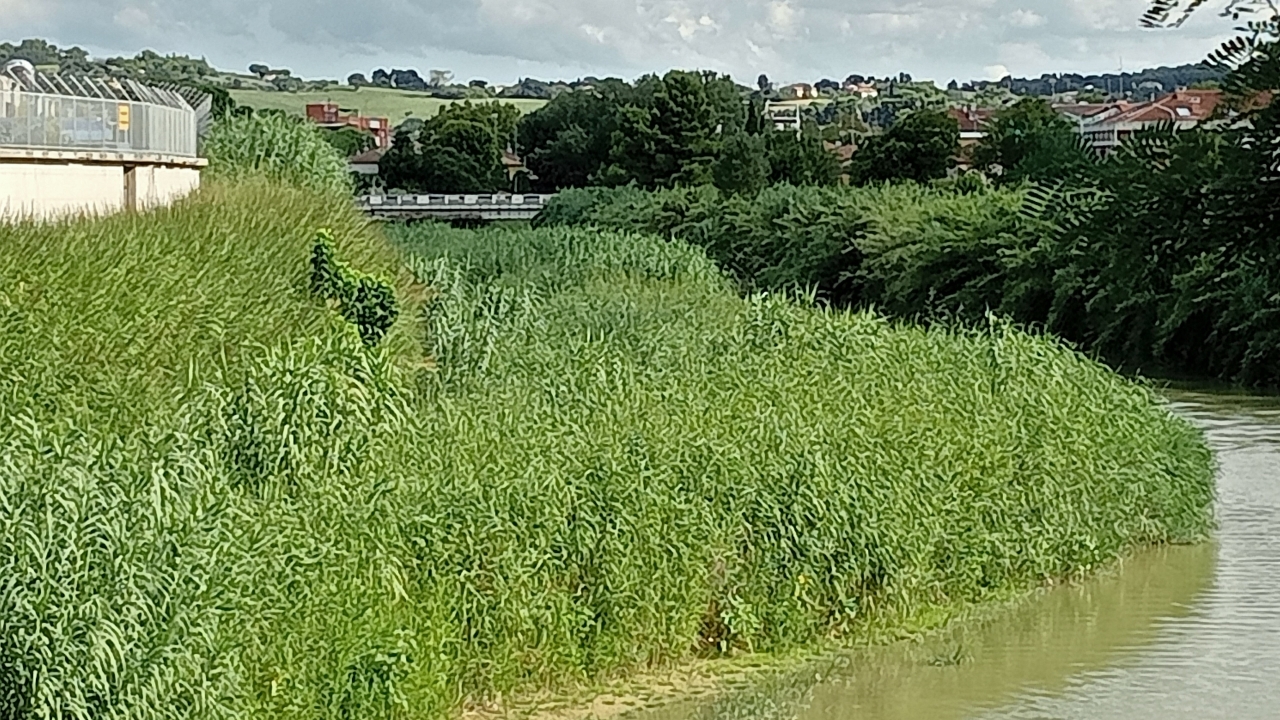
(1184, 632)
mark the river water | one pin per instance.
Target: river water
(1180, 632)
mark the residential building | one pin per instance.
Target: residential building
(367, 162)
(783, 116)
(799, 91)
(973, 123)
(1106, 126)
(329, 115)
(862, 90)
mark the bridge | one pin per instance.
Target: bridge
(454, 207)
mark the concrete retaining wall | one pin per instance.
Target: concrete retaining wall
(49, 186)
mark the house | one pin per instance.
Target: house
(799, 91)
(366, 163)
(973, 123)
(513, 165)
(862, 90)
(1105, 127)
(783, 117)
(329, 115)
(843, 151)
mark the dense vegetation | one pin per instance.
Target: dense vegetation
(278, 147)
(680, 129)
(459, 150)
(1160, 257)
(217, 501)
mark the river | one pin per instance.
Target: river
(1173, 633)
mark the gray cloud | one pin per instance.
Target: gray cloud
(502, 39)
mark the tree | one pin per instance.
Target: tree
(743, 166)
(763, 83)
(827, 85)
(567, 142)
(356, 80)
(440, 78)
(800, 159)
(457, 151)
(381, 78)
(259, 69)
(407, 80)
(919, 147)
(671, 136)
(349, 141)
(1031, 141)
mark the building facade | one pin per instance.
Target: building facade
(1105, 126)
(329, 115)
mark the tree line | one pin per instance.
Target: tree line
(1161, 257)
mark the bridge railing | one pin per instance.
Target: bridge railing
(42, 121)
(431, 201)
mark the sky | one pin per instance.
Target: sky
(504, 40)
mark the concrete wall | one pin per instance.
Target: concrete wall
(47, 190)
(159, 186)
(43, 192)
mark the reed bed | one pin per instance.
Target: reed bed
(217, 501)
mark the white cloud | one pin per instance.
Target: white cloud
(1025, 18)
(21, 10)
(132, 17)
(995, 72)
(790, 40)
(781, 14)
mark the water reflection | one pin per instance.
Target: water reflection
(1181, 632)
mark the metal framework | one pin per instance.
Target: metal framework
(69, 113)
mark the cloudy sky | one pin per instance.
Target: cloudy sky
(502, 40)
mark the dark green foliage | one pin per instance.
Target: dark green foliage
(1031, 141)
(800, 160)
(458, 150)
(349, 141)
(673, 136)
(567, 142)
(743, 166)
(365, 301)
(661, 132)
(921, 146)
(147, 66)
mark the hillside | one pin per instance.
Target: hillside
(395, 105)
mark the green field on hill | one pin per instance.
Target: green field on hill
(395, 105)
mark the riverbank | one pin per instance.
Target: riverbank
(1174, 632)
(574, 455)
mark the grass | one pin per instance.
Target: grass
(216, 502)
(392, 104)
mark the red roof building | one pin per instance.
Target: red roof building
(329, 115)
(1106, 126)
(973, 123)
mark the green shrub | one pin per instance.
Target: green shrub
(910, 249)
(365, 301)
(282, 148)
